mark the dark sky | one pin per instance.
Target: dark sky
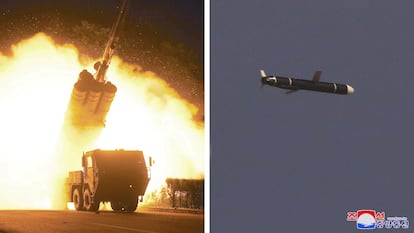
(165, 37)
(300, 162)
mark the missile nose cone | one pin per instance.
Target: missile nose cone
(350, 89)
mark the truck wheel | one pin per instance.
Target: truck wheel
(131, 206)
(116, 206)
(88, 202)
(77, 199)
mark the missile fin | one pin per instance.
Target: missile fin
(263, 73)
(317, 76)
(291, 91)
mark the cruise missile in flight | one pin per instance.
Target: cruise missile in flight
(294, 84)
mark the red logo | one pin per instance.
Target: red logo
(353, 216)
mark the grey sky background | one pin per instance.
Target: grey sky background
(300, 162)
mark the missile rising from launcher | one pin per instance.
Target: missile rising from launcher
(102, 67)
(92, 95)
(293, 84)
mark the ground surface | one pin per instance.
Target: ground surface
(34, 221)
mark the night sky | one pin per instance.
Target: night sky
(161, 36)
(300, 162)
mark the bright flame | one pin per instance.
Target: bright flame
(37, 151)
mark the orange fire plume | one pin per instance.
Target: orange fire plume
(38, 148)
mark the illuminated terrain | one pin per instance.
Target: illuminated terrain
(39, 147)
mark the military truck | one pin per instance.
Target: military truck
(116, 176)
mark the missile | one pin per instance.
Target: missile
(294, 84)
(102, 67)
(92, 95)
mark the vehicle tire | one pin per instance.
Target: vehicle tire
(131, 205)
(88, 202)
(77, 199)
(116, 206)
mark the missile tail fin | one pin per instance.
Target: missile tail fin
(263, 73)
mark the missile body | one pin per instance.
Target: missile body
(294, 84)
(92, 96)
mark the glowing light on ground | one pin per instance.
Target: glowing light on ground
(35, 86)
